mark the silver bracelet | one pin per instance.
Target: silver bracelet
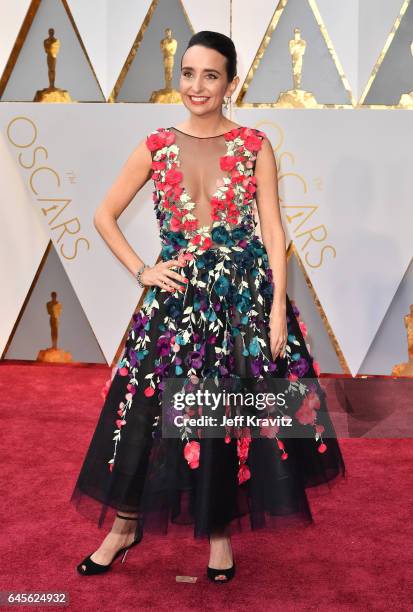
(138, 275)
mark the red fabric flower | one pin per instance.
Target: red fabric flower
(161, 138)
(269, 431)
(206, 243)
(313, 400)
(252, 142)
(228, 162)
(158, 165)
(316, 367)
(243, 473)
(173, 177)
(190, 225)
(105, 389)
(175, 223)
(242, 448)
(232, 134)
(303, 328)
(191, 453)
(305, 415)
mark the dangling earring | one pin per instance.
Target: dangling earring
(226, 105)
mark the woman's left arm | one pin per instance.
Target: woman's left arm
(273, 238)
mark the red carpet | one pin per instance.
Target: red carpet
(357, 556)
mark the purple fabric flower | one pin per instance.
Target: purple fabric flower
(140, 320)
(256, 366)
(300, 367)
(194, 359)
(163, 346)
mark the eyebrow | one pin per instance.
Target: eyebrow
(205, 69)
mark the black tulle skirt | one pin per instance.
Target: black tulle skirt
(217, 329)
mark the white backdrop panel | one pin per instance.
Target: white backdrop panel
(354, 166)
(23, 241)
(84, 150)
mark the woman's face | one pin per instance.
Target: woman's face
(203, 83)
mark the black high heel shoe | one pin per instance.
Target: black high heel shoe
(97, 568)
(228, 572)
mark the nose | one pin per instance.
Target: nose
(196, 87)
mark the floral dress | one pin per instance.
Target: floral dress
(163, 462)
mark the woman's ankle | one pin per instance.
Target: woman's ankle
(221, 533)
(122, 526)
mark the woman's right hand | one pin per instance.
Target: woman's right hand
(162, 275)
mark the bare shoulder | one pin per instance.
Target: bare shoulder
(140, 158)
(266, 162)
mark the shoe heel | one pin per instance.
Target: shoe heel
(96, 568)
(124, 555)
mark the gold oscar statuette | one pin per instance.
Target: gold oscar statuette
(167, 95)
(297, 97)
(54, 354)
(52, 93)
(406, 369)
(406, 100)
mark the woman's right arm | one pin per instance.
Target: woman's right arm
(133, 176)
(135, 173)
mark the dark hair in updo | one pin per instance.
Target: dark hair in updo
(221, 43)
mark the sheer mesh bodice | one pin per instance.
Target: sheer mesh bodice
(204, 187)
(199, 162)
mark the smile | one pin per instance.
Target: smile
(198, 99)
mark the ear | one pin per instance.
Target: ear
(232, 86)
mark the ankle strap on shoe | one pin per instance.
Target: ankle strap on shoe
(128, 518)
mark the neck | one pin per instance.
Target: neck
(205, 126)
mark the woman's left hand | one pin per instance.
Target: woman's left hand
(278, 332)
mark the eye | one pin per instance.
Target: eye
(214, 76)
(185, 73)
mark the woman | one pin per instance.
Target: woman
(212, 312)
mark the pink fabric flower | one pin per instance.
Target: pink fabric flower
(243, 473)
(252, 142)
(173, 177)
(228, 162)
(303, 327)
(243, 448)
(269, 431)
(191, 453)
(313, 400)
(105, 388)
(162, 138)
(305, 415)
